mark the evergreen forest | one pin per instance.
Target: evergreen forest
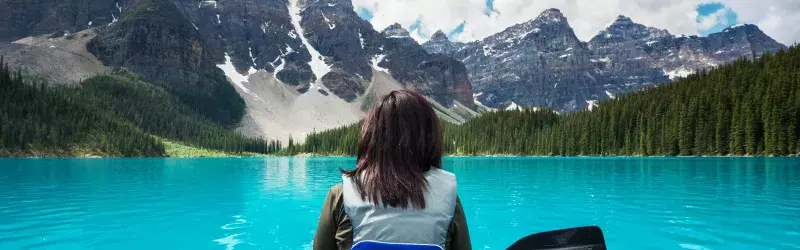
(113, 114)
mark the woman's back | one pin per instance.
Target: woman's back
(390, 224)
(398, 197)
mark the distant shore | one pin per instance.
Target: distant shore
(176, 150)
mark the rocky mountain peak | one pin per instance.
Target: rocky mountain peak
(395, 31)
(622, 19)
(623, 29)
(441, 44)
(747, 28)
(550, 16)
(439, 36)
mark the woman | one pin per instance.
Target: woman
(398, 197)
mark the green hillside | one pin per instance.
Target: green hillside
(40, 121)
(114, 114)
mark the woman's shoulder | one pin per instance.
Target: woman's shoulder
(441, 173)
(335, 190)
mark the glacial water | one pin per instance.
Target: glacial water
(274, 203)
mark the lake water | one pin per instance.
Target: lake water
(274, 203)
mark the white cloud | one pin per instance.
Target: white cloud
(714, 19)
(778, 18)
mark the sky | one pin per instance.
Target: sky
(470, 20)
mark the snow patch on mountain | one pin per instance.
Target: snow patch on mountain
(250, 50)
(678, 73)
(610, 95)
(237, 79)
(513, 106)
(361, 38)
(376, 60)
(592, 104)
(331, 25)
(282, 58)
(202, 3)
(318, 66)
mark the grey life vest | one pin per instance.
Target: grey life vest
(374, 226)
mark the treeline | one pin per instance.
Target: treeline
(338, 141)
(744, 108)
(499, 132)
(115, 114)
(34, 118)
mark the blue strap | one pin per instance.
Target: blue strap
(374, 245)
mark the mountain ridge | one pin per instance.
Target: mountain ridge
(625, 56)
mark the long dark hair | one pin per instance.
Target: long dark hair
(401, 139)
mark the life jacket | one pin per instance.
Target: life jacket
(388, 228)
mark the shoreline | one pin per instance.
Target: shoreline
(306, 155)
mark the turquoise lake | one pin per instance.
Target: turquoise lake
(274, 203)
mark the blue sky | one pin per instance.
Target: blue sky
(364, 13)
(723, 17)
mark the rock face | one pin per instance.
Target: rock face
(541, 63)
(153, 39)
(306, 40)
(255, 34)
(23, 18)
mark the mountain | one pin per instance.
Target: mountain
(308, 65)
(541, 63)
(298, 66)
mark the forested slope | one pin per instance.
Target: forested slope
(113, 114)
(744, 108)
(39, 121)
